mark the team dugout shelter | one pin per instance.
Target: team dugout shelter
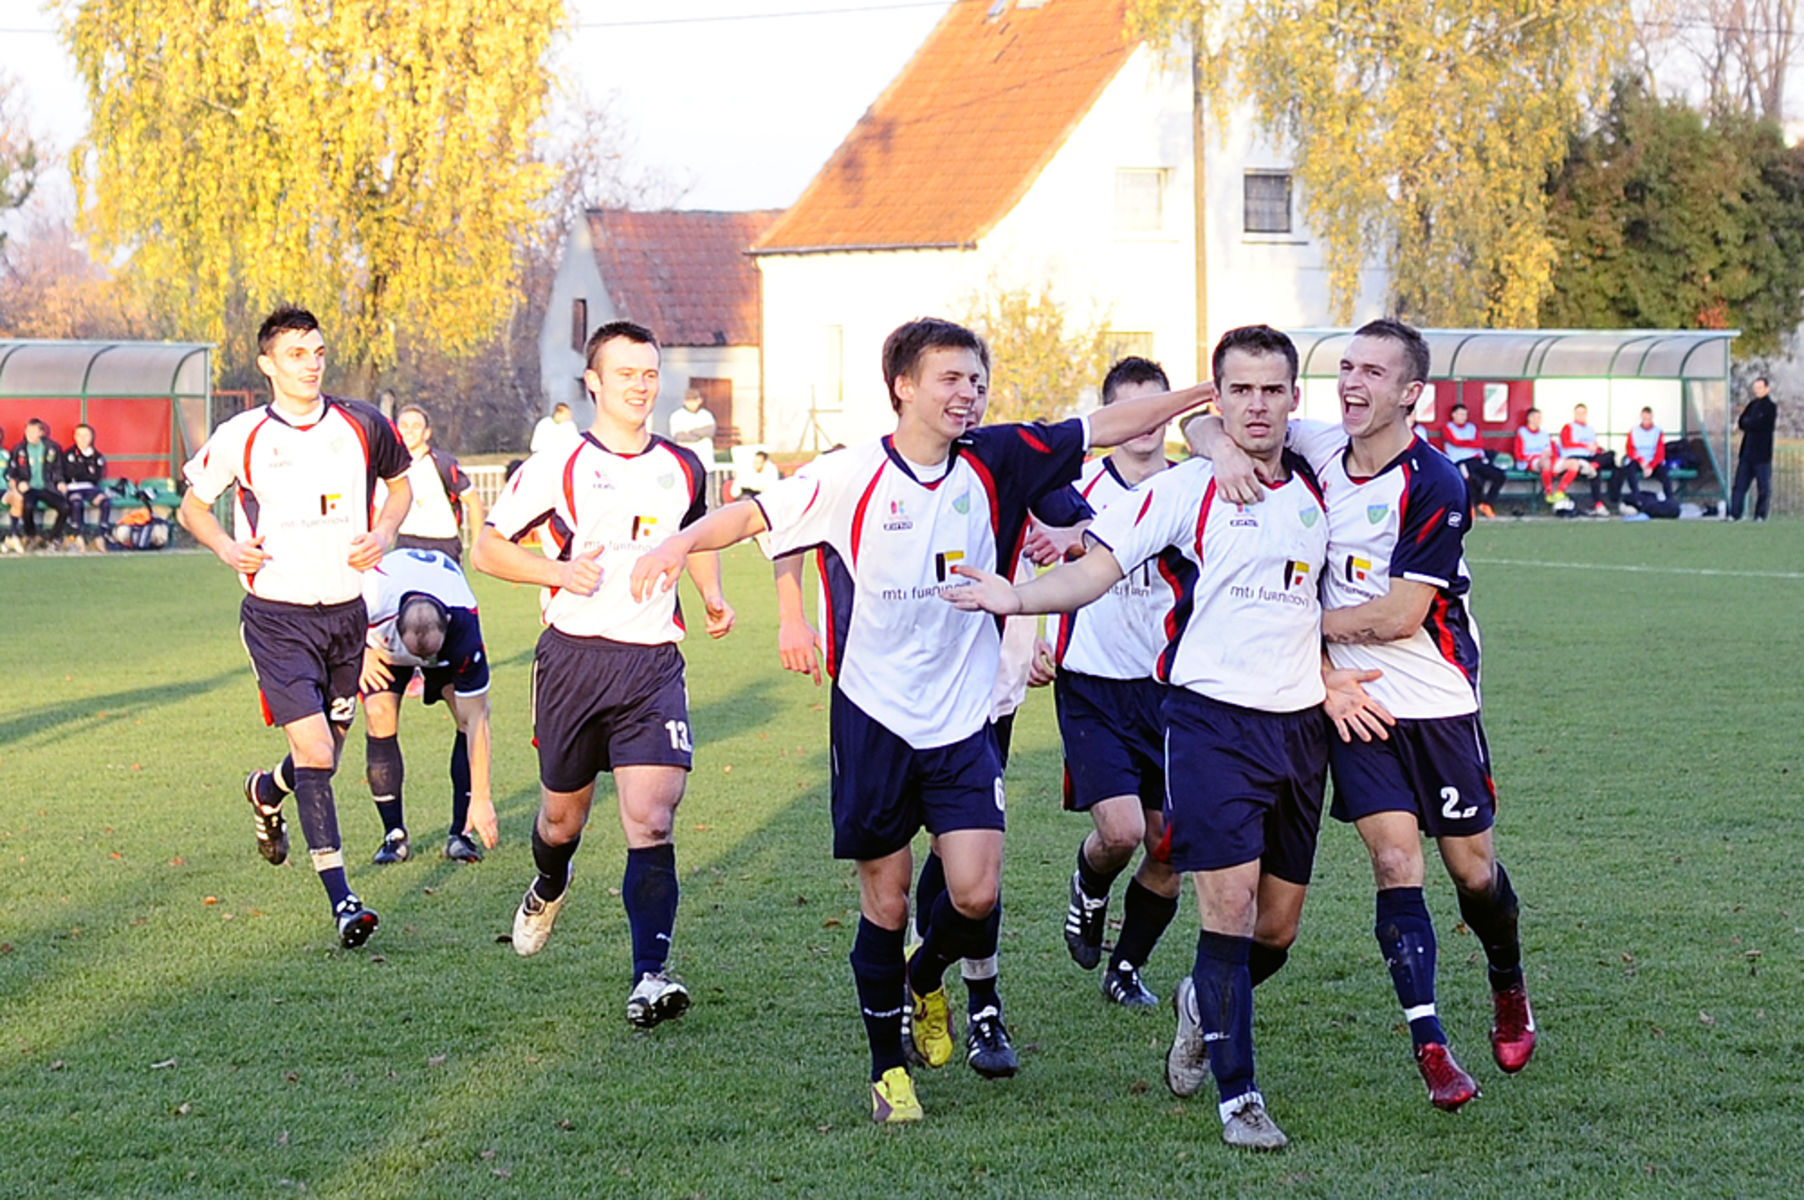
(1682, 374)
(150, 403)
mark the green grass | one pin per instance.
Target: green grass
(178, 1019)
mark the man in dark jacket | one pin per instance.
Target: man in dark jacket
(34, 477)
(84, 473)
(1755, 465)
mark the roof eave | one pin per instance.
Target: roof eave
(874, 248)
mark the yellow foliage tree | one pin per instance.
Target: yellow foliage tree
(1424, 130)
(1040, 363)
(369, 159)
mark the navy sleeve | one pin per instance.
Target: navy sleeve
(1063, 508)
(1433, 532)
(463, 651)
(1028, 461)
(698, 482)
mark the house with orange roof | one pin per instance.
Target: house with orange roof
(1028, 143)
(684, 275)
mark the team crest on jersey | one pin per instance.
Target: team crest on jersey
(1307, 514)
(962, 505)
(667, 480)
(328, 502)
(898, 519)
(944, 562)
(1377, 512)
(1296, 574)
(645, 528)
(1357, 568)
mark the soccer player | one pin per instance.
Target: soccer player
(1464, 447)
(607, 677)
(1538, 450)
(304, 470)
(912, 743)
(1579, 445)
(1395, 597)
(440, 490)
(1111, 723)
(34, 475)
(422, 620)
(1245, 740)
(84, 470)
(1643, 456)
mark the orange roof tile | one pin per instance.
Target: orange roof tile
(685, 275)
(958, 137)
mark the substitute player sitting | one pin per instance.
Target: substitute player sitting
(423, 622)
(608, 691)
(303, 470)
(1396, 604)
(1246, 744)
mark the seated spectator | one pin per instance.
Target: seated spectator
(764, 476)
(84, 472)
(34, 477)
(1579, 444)
(559, 429)
(1643, 454)
(1464, 446)
(1538, 450)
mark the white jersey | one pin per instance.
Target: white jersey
(431, 515)
(1017, 655)
(1244, 621)
(694, 431)
(589, 496)
(1408, 521)
(306, 489)
(1120, 635)
(402, 573)
(888, 539)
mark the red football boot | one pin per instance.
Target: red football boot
(1449, 1087)
(1512, 1029)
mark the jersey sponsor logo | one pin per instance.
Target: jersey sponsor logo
(644, 528)
(944, 562)
(1241, 516)
(328, 502)
(1296, 574)
(1377, 512)
(1357, 568)
(898, 519)
(1454, 518)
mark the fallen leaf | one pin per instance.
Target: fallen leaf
(377, 958)
(727, 770)
(57, 1065)
(282, 1138)
(1137, 1088)
(830, 923)
(183, 1109)
(437, 1060)
(566, 1124)
(178, 861)
(164, 1065)
(1705, 1018)
(502, 1173)
(116, 854)
(701, 829)
(210, 900)
(291, 1076)
(428, 891)
(487, 1155)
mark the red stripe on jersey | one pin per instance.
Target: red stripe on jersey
(1428, 525)
(858, 513)
(1091, 486)
(1066, 626)
(989, 487)
(1403, 498)
(1148, 503)
(1033, 441)
(570, 488)
(1202, 521)
(249, 438)
(1443, 633)
(695, 487)
(826, 619)
(269, 718)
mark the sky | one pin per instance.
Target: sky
(736, 103)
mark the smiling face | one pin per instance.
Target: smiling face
(1376, 392)
(944, 395)
(414, 431)
(624, 382)
(1258, 395)
(295, 365)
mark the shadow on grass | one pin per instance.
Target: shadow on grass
(53, 717)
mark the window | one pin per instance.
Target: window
(1267, 202)
(1139, 200)
(579, 324)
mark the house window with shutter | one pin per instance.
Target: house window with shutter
(1267, 202)
(579, 324)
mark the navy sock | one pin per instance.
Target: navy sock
(980, 966)
(387, 774)
(1224, 1003)
(553, 863)
(1144, 916)
(1492, 916)
(928, 889)
(1263, 961)
(649, 892)
(1405, 936)
(460, 783)
(951, 935)
(272, 786)
(877, 972)
(318, 817)
(1095, 881)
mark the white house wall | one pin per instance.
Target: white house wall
(561, 366)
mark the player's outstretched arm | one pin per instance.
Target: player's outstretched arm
(495, 555)
(1388, 618)
(704, 569)
(1354, 713)
(1126, 420)
(1236, 477)
(658, 568)
(472, 716)
(246, 557)
(1062, 589)
(797, 640)
(367, 549)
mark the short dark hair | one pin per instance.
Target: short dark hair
(629, 330)
(1416, 359)
(39, 422)
(1255, 339)
(1459, 406)
(1132, 369)
(1648, 409)
(1533, 412)
(413, 408)
(286, 319)
(1763, 379)
(903, 348)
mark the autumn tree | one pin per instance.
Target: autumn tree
(1042, 360)
(1741, 51)
(50, 288)
(1666, 220)
(1423, 130)
(371, 159)
(18, 154)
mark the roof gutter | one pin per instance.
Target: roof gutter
(759, 252)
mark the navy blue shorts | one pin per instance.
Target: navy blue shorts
(306, 656)
(884, 790)
(1242, 785)
(1438, 768)
(1114, 735)
(599, 704)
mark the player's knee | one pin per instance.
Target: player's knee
(1474, 875)
(1397, 866)
(886, 909)
(975, 900)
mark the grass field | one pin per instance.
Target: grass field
(176, 1017)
